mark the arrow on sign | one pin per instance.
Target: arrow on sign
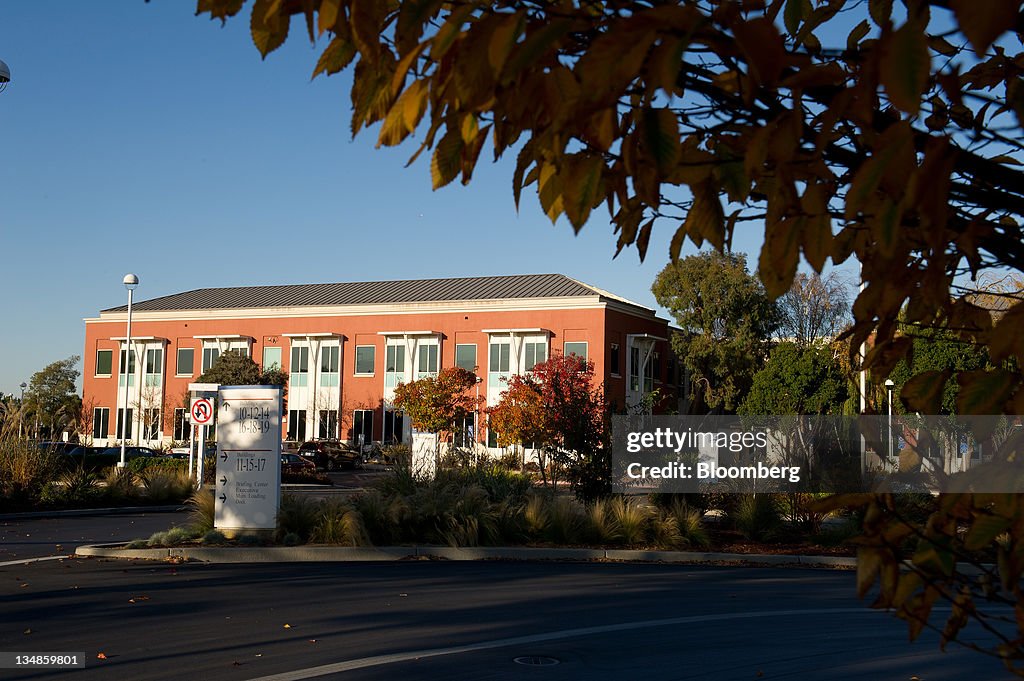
(223, 497)
(223, 456)
(223, 480)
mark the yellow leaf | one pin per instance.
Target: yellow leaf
(906, 66)
(923, 392)
(868, 563)
(664, 64)
(613, 61)
(705, 219)
(336, 56)
(983, 22)
(984, 392)
(660, 134)
(549, 191)
(780, 255)
(763, 46)
(447, 159)
(817, 228)
(984, 530)
(503, 39)
(328, 15)
(581, 187)
(268, 28)
(366, 17)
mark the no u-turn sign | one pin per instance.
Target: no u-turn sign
(201, 411)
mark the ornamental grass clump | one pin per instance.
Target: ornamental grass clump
(631, 518)
(299, 515)
(601, 523)
(567, 521)
(119, 484)
(162, 484)
(689, 524)
(201, 508)
(758, 518)
(338, 523)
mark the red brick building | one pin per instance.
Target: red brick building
(346, 346)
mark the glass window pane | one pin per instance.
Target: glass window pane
(465, 357)
(365, 357)
(186, 357)
(578, 349)
(104, 362)
(271, 358)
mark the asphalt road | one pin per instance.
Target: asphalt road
(440, 620)
(22, 538)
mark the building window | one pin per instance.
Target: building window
(124, 424)
(613, 360)
(154, 367)
(104, 362)
(656, 367)
(151, 424)
(579, 349)
(130, 366)
(329, 358)
(327, 428)
(299, 366)
(427, 360)
(100, 422)
(635, 355)
(366, 356)
(498, 366)
(296, 425)
(271, 358)
(465, 357)
(210, 355)
(182, 428)
(465, 431)
(186, 362)
(394, 422)
(536, 352)
(362, 426)
(394, 365)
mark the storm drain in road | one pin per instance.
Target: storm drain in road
(535, 661)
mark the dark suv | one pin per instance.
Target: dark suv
(330, 454)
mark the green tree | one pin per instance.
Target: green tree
(558, 408)
(436, 403)
(52, 396)
(814, 310)
(937, 355)
(797, 380)
(726, 320)
(234, 368)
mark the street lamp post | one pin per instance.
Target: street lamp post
(130, 282)
(21, 408)
(5, 75)
(888, 389)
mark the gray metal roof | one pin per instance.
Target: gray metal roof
(513, 287)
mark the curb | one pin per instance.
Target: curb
(332, 554)
(71, 513)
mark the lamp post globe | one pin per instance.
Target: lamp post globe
(21, 407)
(5, 75)
(888, 389)
(130, 282)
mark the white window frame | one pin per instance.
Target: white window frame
(101, 415)
(586, 349)
(110, 373)
(280, 357)
(177, 362)
(476, 356)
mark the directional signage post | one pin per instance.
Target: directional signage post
(248, 481)
(200, 414)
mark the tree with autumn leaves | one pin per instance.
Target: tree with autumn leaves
(899, 145)
(435, 404)
(558, 409)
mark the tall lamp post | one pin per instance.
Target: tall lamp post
(21, 405)
(130, 282)
(888, 389)
(5, 75)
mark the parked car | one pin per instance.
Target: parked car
(330, 455)
(130, 452)
(292, 464)
(59, 447)
(182, 452)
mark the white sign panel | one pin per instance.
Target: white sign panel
(248, 481)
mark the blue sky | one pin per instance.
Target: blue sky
(140, 138)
